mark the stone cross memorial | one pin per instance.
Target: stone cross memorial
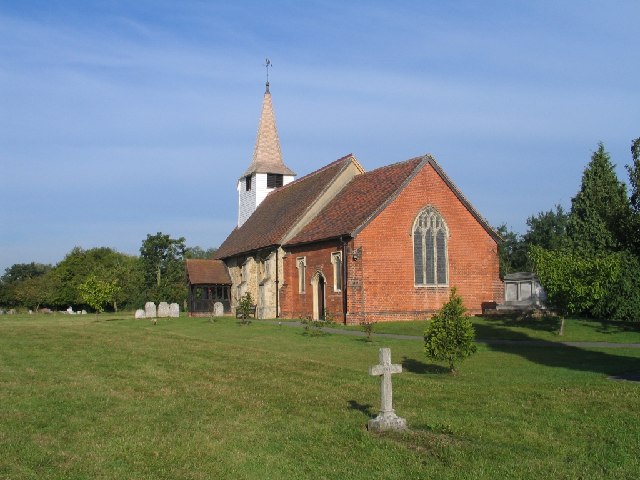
(387, 418)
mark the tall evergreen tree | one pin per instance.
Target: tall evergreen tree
(633, 232)
(600, 210)
(634, 175)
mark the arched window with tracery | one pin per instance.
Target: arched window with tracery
(430, 257)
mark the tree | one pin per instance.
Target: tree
(97, 293)
(106, 264)
(199, 252)
(32, 292)
(621, 300)
(633, 235)
(25, 284)
(547, 229)
(600, 210)
(24, 271)
(575, 281)
(162, 260)
(450, 333)
(512, 251)
(634, 175)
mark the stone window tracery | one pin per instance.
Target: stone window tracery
(430, 256)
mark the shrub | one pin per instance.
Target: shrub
(450, 334)
(245, 306)
(367, 328)
(313, 327)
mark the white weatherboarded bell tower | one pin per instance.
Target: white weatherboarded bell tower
(267, 170)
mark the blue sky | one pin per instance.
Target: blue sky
(120, 119)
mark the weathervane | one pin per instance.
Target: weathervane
(267, 64)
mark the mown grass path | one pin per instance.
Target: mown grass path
(515, 342)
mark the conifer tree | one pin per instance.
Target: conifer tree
(450, 334)
(600, 210)
(634, 175)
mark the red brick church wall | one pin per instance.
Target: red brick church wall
(382, 280)
(297, 305)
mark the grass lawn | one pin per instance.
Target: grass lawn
(192, 399)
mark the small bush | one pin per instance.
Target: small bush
(245, 307)
(450, 334)
(312, 327)
(367, 328)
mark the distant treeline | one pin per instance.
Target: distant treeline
(123, 281)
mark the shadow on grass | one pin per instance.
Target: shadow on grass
(116, 319)
(544, 324)
(416, 366)
(362, 407)
(562, 356)
(617, 327)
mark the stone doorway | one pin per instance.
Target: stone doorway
(318, 283)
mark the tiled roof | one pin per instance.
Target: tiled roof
(280, 211)
(367, 195)
(267, 156)
(358, 202)
(207, 272)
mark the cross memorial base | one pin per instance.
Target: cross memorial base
(387, 421)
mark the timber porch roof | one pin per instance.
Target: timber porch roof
(207, 272)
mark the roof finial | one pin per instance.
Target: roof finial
(267, 63)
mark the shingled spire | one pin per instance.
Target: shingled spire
(267, 156)
(267, 170)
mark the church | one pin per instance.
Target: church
(349, 245)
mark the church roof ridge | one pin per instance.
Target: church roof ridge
(358, 202)
(267, 154)
(281, 210)
(367, 195)
(348, 156)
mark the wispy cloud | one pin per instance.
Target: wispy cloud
(121, 119)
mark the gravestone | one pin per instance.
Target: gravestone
(70, 311)
(174, 310)
(163, 310)
(218, 309)
(387, 418)
(140, 313)
(150, 310)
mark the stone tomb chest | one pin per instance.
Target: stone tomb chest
(522, 290)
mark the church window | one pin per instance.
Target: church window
(301, 264)
(336, 260)
(430, 258)
(247, 182)
(274, 180)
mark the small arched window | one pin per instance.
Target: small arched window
(430, 258)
